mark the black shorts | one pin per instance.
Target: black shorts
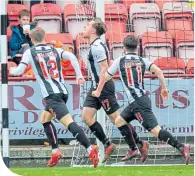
(141, 110)
(107, 99)
(56, 104)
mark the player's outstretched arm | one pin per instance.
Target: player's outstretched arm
(68, 55)
(158, 72)
(17, 71)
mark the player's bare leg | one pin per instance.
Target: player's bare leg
(97, 130)
(79, 134)
(51, 134)
(132, 139)
(167, 137)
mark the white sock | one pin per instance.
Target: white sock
(54, 150)
(89, 149)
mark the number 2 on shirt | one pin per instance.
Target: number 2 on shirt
(53, 72)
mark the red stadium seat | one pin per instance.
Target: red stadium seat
(144, 17)
(63, 3)
(115, 41)
(185, 44)
(48, 17)
(157, 44)
(177, 16)
(113, 26)
(116, 16)
(76, 17)
(160, 3)
(65, 38)
(190, 66)
(68, 70)
(128, 3)
(82, 47)
(13, 12)
(171, 65)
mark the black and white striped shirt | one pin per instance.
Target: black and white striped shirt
(131, 69)
(45, 63)
(98, 52)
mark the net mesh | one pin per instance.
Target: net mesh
(121, 22)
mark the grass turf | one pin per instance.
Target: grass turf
(108, 171)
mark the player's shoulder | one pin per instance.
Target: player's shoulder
(97, 45)
(145, 59)
(27, 52)
(59, 50)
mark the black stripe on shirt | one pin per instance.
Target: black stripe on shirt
(24, 63)
(93, 69)
(109, 73)
(39, 70)
(125, 78)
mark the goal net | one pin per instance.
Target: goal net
(165, 32)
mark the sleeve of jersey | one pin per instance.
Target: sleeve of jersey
(113, 68)
(65, 55)
(26, 58)
(99, 53)
(147, 63)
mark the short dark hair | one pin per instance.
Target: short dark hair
(24, 13)
(130, 42)
(99, 26)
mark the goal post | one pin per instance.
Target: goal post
(4, 84)
(100, 12)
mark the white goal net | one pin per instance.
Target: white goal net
(164, 39)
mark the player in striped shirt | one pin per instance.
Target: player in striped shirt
(132, 68)
(45, 62)
(102, 94)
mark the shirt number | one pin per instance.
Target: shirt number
(130, 75)
(52, 69)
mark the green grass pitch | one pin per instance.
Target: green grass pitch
(108, 171)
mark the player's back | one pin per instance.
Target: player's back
(46, 66)
(132, 69)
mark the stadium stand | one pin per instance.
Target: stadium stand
(13, 12)
(177, 16)
(144, 17)
(190, 66)
(160, 3)
(116, 16)
(171, 65)
(185, 44)
(157, 44)
(68, 70)
(48, 15)
(82, 47)
(115, 41)
(75, 18)
(62, 4)
(128, 3)
(65, 38)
